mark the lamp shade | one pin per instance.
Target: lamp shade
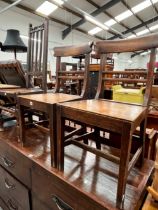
(13, 42)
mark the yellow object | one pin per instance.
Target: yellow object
(128, 95)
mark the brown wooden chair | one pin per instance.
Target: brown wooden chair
(116, 117)
(12, 72)
(37, 55)
(46, 102)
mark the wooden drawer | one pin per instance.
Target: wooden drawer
(13, 192)
(38, 205)
(16, 163)
(56, 194)
(53, 194)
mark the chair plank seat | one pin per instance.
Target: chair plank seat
(121, 111)
(49, 98)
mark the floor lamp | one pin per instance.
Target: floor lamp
(13, 42)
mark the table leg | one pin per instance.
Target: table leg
(126, 139)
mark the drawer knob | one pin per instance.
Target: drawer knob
(8, 163)
(8, 185)
(61, 204)
(11, 205)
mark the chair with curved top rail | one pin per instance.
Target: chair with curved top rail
(46, 102)
(116, 117)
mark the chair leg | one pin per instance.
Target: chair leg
(97, 138)
(142, 140)
(126, 140)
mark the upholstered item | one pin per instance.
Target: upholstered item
(128, 95)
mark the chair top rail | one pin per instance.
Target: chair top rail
(127, 45)
(73, 50)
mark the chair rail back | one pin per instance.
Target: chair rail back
(62, 75)
(37, 54)
(127, 45)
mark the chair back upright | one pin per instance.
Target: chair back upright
(63, 75)
(123, 46)
(37, 55)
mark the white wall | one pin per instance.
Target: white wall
(18, 19)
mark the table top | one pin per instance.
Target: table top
(122, 111)
(7, 86)
(50, 98)
(20, 90)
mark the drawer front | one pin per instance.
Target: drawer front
(38, 205)
(53, 195)
(12, 191)
(16, 163)
(56, 194)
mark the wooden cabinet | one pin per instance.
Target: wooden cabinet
(15, 163)
(28, 182)
(14, 194)
(57, 194)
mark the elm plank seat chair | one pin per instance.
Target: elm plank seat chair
(117, 117)
(11, 73)
(46, 102)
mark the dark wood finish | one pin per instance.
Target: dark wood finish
(15, 163)
(11, 73)
(127, 45)
(88, 181)
(13, 192)
(61, 75)
(120, 118)
(37, 54)
(47, 102)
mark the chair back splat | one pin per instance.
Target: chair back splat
(64, 76)
(37, 54)
(123, 46)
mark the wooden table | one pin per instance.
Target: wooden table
(45, 103)
(120, 118)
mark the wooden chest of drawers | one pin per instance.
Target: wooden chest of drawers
(14, 194)
(15, 163)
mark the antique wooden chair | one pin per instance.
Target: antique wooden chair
(37, 55)
(46, 102)
(113, 117)
(12, 73)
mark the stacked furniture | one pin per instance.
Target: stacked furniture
(12, 72)
(57, 165)
(46, 103)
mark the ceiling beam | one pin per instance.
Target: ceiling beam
(128, 7)
(109, 15)
(152, 20)
(27, 9)
(95, 13)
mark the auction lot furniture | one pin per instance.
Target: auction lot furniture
(13, 74)
(46, 103)
(28, 182)
(120, 118)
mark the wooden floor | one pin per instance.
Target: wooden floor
(95, 177)
(150, 204)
